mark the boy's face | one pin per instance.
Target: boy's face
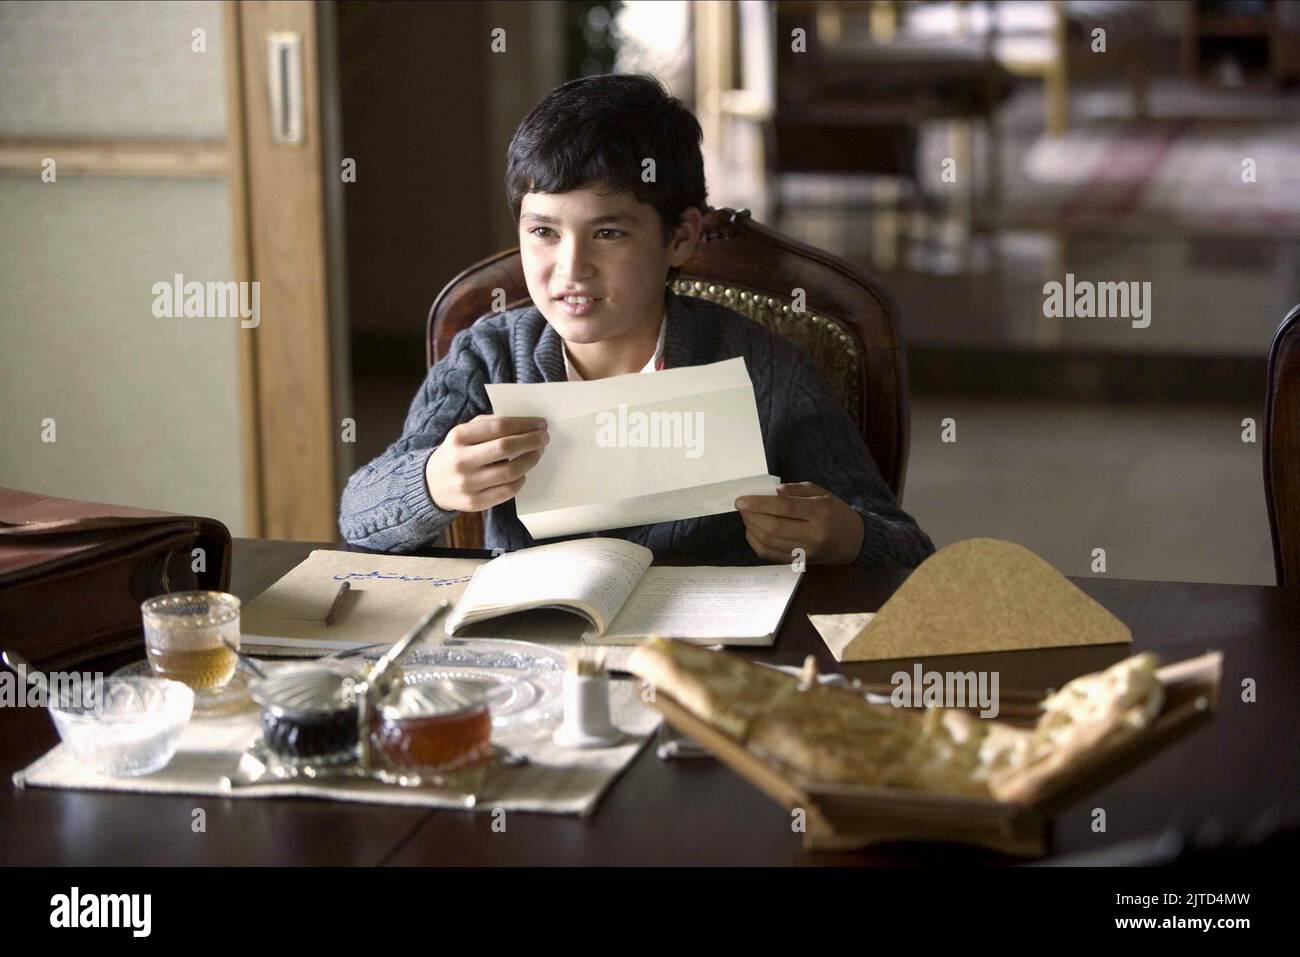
(607, 248)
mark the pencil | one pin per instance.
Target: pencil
(337, 604)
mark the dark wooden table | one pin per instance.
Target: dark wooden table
(697, 811)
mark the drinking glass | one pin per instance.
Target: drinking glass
(185, 634)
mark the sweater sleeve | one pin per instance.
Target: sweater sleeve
(386, 505)
(820, 444)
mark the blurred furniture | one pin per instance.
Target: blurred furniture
(1282, 448)
(854, 103)
(1252, 30)
(849, 327)
(1051, 40)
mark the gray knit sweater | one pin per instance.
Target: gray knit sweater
(808, 438)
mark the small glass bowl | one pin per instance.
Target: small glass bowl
(129, 729)
(436, 724)
(309, 712)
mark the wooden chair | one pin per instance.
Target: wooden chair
(849, 327)
(1282, 448)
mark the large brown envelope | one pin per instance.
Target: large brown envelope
(977, 595)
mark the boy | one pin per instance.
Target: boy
(598, 244)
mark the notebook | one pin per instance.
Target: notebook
(612, 585)
(597, 590)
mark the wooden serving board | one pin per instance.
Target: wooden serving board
(841, 816)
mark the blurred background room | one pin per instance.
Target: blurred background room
(350, 156)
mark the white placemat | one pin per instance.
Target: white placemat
(554, 780)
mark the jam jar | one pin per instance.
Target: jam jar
(436, 724)
(309, 712)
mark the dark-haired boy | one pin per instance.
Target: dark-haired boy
(606, 181)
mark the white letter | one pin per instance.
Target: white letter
(1141, 305)
(252, 315)
(606, 429)
(59, 916)
(694, 442)
(989, 702)
(162, 294)
(901, 696)
(145, 924)
(1052, 304)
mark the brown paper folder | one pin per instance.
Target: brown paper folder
(978, 595)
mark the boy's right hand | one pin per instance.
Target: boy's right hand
(482, 462)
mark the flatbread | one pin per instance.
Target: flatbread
(1094, 711)
(726, 691)
(832, 735)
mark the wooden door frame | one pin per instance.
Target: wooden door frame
(278, 195)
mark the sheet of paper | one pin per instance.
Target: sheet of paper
(389, 594)
(706, 604)
(838, 630)
(637, 449)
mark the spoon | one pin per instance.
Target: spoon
(244, 658)
(22, 667)
(382, 666)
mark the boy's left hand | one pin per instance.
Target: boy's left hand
(802, 515)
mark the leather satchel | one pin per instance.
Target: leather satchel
(73, 574)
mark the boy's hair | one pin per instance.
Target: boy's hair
(599, 130)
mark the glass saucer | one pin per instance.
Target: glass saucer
(524, 681)
(233, 697)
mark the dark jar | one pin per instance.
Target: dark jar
(309, 712)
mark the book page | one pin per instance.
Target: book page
(724, 605)
(592, 573)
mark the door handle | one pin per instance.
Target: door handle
(284, 86)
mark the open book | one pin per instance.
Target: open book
(611, 583)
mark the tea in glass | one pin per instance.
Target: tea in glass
(185, 637)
